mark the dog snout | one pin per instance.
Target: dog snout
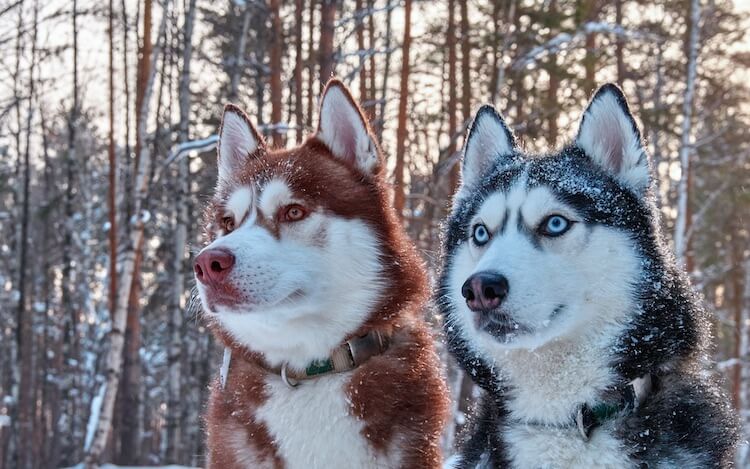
(485, 291)
(213, 265)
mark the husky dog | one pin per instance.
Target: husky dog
(316, 292)
(563, 302)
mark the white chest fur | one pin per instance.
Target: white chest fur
(313, 427)
(548, 448)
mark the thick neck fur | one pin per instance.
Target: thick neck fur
(547, 385)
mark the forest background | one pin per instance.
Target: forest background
(108, 120)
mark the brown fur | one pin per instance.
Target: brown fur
(400, 392)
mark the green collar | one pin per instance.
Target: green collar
(632, 397)
(345, 357)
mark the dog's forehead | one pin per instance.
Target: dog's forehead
(266, 196)
(529, 201)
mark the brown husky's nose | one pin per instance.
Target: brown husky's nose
(485, 291)
(213, 265)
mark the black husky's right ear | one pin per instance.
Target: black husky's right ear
(609, 136)
(489, 139)
(238, 139)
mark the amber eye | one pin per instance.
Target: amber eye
(294, 212)
(228, 224)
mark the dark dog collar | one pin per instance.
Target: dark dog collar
(345, 357)
(632, 397)
(588, 418)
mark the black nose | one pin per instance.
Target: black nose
(485, 291)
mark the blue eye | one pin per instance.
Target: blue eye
(481, 235)
(555, 225)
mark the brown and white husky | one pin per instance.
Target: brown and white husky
(316, 292)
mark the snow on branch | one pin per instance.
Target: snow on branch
(565, 41)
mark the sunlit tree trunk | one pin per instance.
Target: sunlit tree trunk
(682, 224)
(399, 194)
(25, 318)
(116, 337)
(275, 78)
(325, 47)
(182, 197)
(299, 8)
(450, 44)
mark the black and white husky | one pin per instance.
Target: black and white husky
(563, 302)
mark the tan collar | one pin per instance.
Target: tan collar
(347, 356)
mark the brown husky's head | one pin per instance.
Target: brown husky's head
(305, 247)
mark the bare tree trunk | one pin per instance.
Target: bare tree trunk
(620, 45)
(277, 137)
(450, 44)
(129, 393)
(359, 15)
(465, 62)
(69, 308)
(25, 321)
(182, 199)
(386, 71)
(682, 224)
(117, 337)
(590, 9)
(370, 108)
(311, 62)
(553, 108)
(736, 300)
(299, 6)
(325, 58)
(239, 61)
(399, 190)
(112, 189)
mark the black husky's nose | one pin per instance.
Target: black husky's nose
(485, 291)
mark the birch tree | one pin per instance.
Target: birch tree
(682, 222)
(182, 198)
(103, 426)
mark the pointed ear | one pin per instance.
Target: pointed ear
(609, 136)
(238, 140)
(488, 140)
(344, 130)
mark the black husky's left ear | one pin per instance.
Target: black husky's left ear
(488, 140)
(609, 135)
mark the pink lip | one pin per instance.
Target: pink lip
(223, 294)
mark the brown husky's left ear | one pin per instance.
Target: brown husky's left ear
(344, 130)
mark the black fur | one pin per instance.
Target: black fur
(667, 337)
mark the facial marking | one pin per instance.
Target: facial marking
(238, 204)
(275, 194)
(493, 211)
(540, 203)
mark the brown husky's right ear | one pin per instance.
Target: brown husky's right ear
(238, 140)
(344, 129)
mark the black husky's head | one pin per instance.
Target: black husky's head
(563, 247)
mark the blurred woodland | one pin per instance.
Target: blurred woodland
(108, 120)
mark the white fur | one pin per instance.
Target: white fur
(548, 448)
(312, 426)
(236, 142)
(239, 203)
(275, 194)
(486, 141)
(556, 362)
(304, 291)
(607, 136)
(342, 129)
